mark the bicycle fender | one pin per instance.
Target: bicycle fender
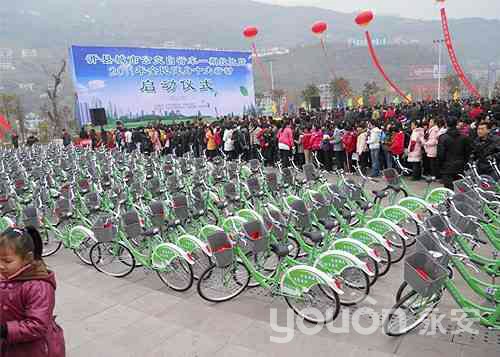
(354, 260)
(413, 203)
(85, 230)
(369, 251)
(197, 242)
(170, 251)
(304, 277)
(384, 221)
(374, 235)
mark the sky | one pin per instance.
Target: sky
(420, 9)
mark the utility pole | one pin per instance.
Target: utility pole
(439, 44)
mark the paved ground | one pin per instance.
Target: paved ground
(139, 316)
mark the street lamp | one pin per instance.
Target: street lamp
(439, 44)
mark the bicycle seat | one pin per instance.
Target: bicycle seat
(429, 179)
(221, 205)
(281, 250)
(315, 236)
(151, 232)
(380, 194)
(174, 224)
(328, 223)
(364, 205)
(198, 214)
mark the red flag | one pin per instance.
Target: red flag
(4, 124)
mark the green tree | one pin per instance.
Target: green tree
(453, 83)
(370, 89)
(340, 89)
(496, 89)
(309, 92)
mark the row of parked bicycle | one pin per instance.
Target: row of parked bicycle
(230, 226)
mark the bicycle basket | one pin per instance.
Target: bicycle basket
(232, 169)
(391, 176)
(31, 218)
(461, 186)
(172, 184)
(221, 248)
(253, 185)
(254, 165)
(465, 198)
(423, 274)
(104, 230)
(155, 186)
(180, 207)
(64, 208)
(168, 169)
(287, 176)
(20, 186)
(275, 215)
(439, 224)
(158, 213)
(321, 207)
(272, 181)
(230, 192)
(132, 224)
(198, 200)
(461, 223)
(309, 172)
(93, 201)
(426, 243)
(258, 240)
(84, 185)
(7, 204)
(298, 207)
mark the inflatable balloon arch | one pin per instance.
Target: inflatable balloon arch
(363, 19)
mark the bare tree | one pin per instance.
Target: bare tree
(20, 119)
(54, 113)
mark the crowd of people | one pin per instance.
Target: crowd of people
(433, 138)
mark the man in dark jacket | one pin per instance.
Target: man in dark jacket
(485, 146)
(454, 150)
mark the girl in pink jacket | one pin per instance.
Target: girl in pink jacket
(415, 148)
(430, 146)
(27, 296)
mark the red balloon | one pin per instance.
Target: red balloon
(250, 31)
(364, 18)
(319, 27)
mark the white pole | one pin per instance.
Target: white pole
(272, 75)
(439, 69)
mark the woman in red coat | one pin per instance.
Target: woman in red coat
(27, 296)
(397, 145)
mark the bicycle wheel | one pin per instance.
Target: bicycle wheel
(51, 244)
(398, 244)
(201, 263)
(178, 275)
(373, 266)
(293, 247)
(265, 263)
(319, 305)
(112, 258)
(355, 285)
(83, 250)
(223, 284)
(385, 256)
(409, 313)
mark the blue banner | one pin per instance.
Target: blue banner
(141, 84)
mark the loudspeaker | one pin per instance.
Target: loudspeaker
(98, 117)
(315, 103)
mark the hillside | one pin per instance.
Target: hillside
(51, 26)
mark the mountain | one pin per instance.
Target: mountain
(51, 26)
(213, 23)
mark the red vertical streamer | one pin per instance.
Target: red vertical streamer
(453, 57)
(377, 64)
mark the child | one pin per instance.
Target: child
(27, 296)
